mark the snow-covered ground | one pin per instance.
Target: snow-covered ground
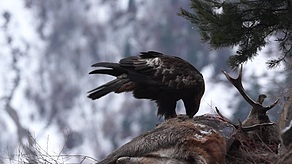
(46, 61)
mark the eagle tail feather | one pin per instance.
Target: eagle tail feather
(106, 64)
(112, 72)
(113, 69)
(111, 86)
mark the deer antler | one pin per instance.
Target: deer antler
(257, 125)
(257, 105)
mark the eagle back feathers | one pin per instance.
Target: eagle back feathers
(157, 69)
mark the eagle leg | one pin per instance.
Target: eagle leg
(166, 108)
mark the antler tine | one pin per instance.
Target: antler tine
(261, 100)
(271, 106)
(238, 84)
(257, 105)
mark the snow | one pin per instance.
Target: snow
(50, 99)
(20, 27)
(217, 94)
(258, 68)
(123, 4)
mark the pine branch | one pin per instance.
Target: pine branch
(246, 24)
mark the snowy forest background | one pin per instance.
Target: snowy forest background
(47, 49)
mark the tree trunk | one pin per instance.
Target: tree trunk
(286, 113)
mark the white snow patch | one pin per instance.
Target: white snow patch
(217, 95)
(123, 4)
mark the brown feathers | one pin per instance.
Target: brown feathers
(152, 75)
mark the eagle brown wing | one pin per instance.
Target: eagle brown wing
(152, 75)
(153, 68)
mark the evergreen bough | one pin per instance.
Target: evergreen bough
(247, 24)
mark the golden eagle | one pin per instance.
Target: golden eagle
(152, 75)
